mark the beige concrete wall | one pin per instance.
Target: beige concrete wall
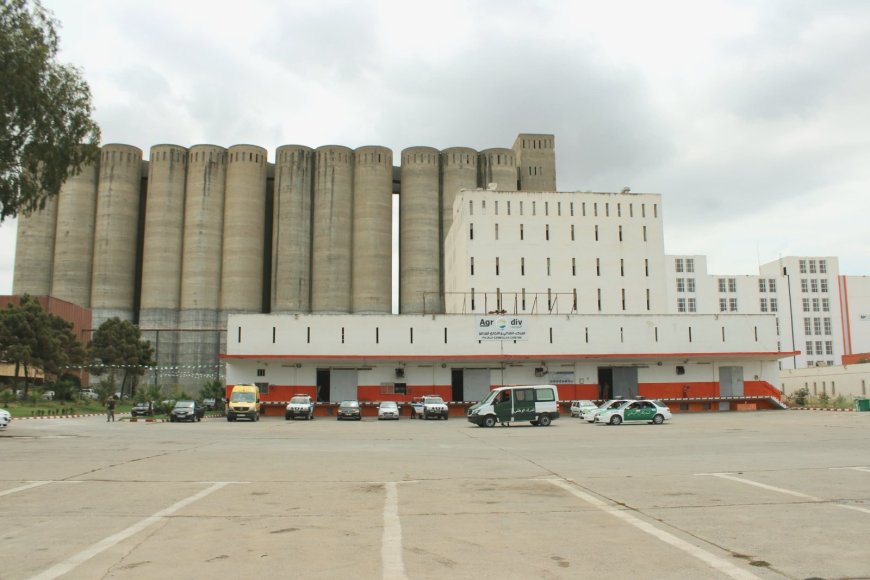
(372, 230)
(848, 381)
(536, 161)
(498, 166)
(34, 251)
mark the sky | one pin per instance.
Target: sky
(750, 117)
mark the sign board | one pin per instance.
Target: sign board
(561, 377)
(501, 328)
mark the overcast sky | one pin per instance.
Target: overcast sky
(751, 118)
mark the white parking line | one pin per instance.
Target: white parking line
(31, 485)
(711, 560)
(864, 469)
(391, 547)
(786, 491)
(113, 540)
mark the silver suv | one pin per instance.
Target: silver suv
(299, 406)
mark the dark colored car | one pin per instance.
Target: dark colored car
(142, 409)
(186, 411)
(349, 410)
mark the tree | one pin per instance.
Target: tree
(117, 345)
(32, 338)
(47, 133)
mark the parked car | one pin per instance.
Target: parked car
(209, 404)
(433, 406)
(48, 395)
(186, 411)
(299, 406)
(5, 419)
(580, 407)
(636, 412)
(90, 394)
(590, 415)
(388, 410)
(142, 409)
(349, 410)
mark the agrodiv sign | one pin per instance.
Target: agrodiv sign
(501, 328)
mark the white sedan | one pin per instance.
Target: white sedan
(654, 412)
(388, 410)
(5, 419)
(580, 407)
(590, 415)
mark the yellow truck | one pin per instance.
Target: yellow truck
(244, 402)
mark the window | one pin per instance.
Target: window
(806, 304)
(732, 284)
(597, 266)
(802, 266)
(646, 267)
(773, 306)
(496, 231)
(817, 326)
(814, 285)
(763, 305)
(808, 326)
(470, 231)
(622, 267)
(812, 266)
(815, 304)
(572, 232)
(573, 266)
(470, 207)
(819, 347)
(827, 326)
(496, 267)
(681, 304)
(596, 233)
(693, 305)
(261, 372)
(522, 266)
(644, 233)
(472, 265)
(771, 285)
(823, 285)
(681, 284)
(809, 348)
(826, 304)
(722, 285)
(804, 285)
(823, 266)
(547, 232)
(548, 266)
(620, 233)
(762, 285)
(723, 305)
(690, 265)
(521, 230)
(678, 264)
(732, 305)
(690, 284)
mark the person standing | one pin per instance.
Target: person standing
(110, 409)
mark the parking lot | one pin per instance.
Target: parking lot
(778, 494)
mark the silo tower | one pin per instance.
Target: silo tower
(536, 161)
(372, 230)
(34, 250)
(291, 229)
(332, 230)
(162, 252)
(74, 241)
(116, 234)
(419, 233)
(459, 170)
(498, 166)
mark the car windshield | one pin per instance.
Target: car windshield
(388, 405)
(489, 397)
(299, 400)
(349, 404)
(183, 404)
(432, 400)
(242, 397)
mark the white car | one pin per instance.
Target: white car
(434, 406)
(388, 410)
(590, 415)
(654, 412)
(299, 406)
(5, 419)
(580, 407)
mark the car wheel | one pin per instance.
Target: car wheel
(199, 418)
(425, 416)
(489, 421)
(544, 420)
(658, 419)
(445, 416)
(615, 420)
(535, 423)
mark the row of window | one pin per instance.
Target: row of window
(685, 284)
(573, 267)
(817, 326)
(619, 232)
(521, 205)
(522, 301)
(813, 266)
(763, 305)
(814, 285)
(822, 348)
(728, 285)
(824, 303)
(766, 285)
(684, 265)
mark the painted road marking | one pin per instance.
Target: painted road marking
(711, 560)
(115, 539)
(391, 546)
(864, 469)
(31, 485)
(773, 488)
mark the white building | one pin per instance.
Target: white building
(584, 275)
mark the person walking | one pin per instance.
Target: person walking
(110, 409)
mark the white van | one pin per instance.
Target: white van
(538, 404)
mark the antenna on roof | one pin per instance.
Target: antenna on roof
(626, 189)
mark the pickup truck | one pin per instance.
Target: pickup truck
(429, 406)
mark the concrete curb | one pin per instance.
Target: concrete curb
(820, 409)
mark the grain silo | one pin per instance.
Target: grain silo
(419, 234)
(536, 161)
(116, 234)
(458, 171)
(372, 230)
(332, 230)
(244, 218)
(74, 239)
(34, 250)
(291, 229)
(162, 251)
(199, 337)
(498, 166)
